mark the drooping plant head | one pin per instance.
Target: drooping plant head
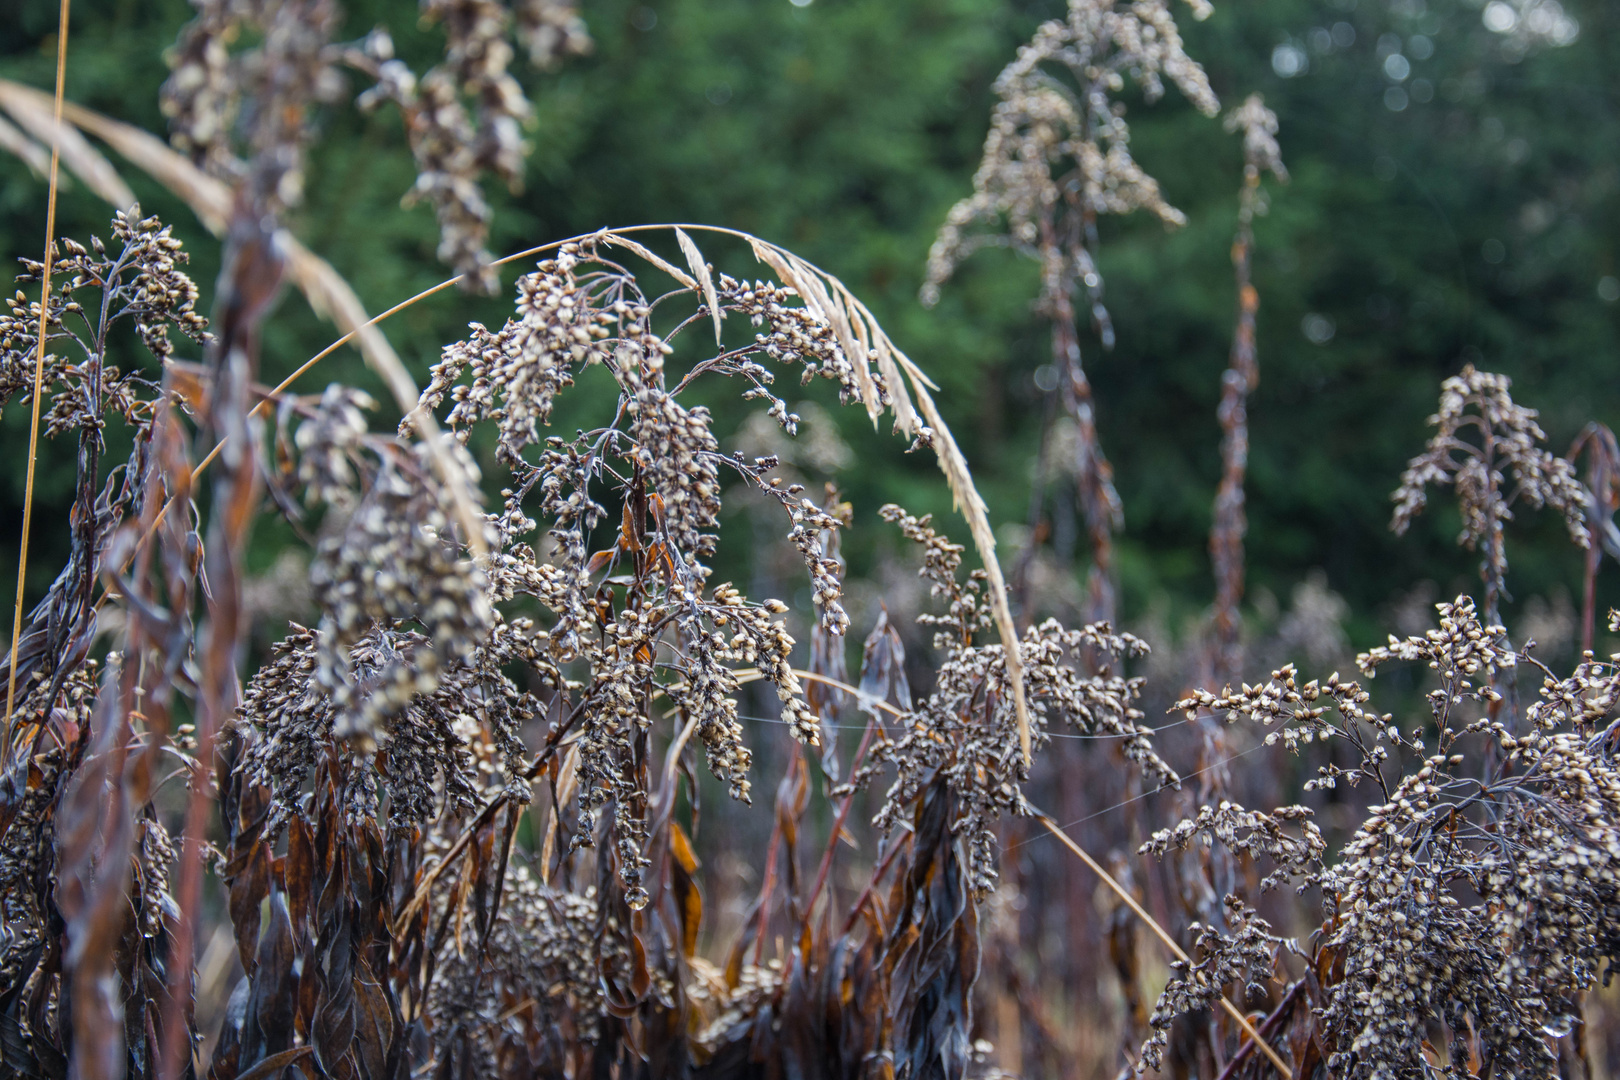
(1481, 437)
(1058, 153)
(407, 621)
(245, 115)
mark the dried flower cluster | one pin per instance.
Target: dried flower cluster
(69, 739)
(1041, 125)
(1482, 435)
(526, 363)
(245, 115)
(142, 283)
(454, 144)
(964, 732)
(540, 955)
(1244, 956)
(393, 559)
(143, 286)
(1261, 154)
(1480, 893)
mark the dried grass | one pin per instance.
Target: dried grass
(336, 838)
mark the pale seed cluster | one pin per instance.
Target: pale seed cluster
(542, 950)
(708, 692)
(142, 283)
(1482, 890)
(247, 113)
(420, 757)
(1244, 956)
(329, 442)
(616, 718)
(814, 529)
(1052, 144)
(1481, 435)
(791, 334)
(1259, 127)
(517, 372)
(465, 116)
(1253, 833)
(27, 847)
(395, 557)
(677, 453)
(966, 730)
(563, 582)
(255, 103)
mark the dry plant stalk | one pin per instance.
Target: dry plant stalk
(39, 361)
(1203, 877)
(1481, 435)
(1260, 154)
(1057, 155)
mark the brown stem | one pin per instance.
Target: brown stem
(766, 888)
(838, 825)
(1229, 524)
(1267, 1027)
(250, 281)
(866, 893)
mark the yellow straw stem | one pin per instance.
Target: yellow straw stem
(39, 366)
(1170, 942)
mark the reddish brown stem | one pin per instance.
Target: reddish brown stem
(250, 282)
(838, 825)
(1230, 523)
(766, 888)
(866, 893)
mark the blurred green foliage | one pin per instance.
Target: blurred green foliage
(1474, 222)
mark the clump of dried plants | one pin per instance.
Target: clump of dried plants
(1475, 904)
(371, 775)
(455, 826)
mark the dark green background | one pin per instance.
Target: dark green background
(845, 130)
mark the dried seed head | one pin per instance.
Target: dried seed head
(1051, 144)
(1480, 436)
